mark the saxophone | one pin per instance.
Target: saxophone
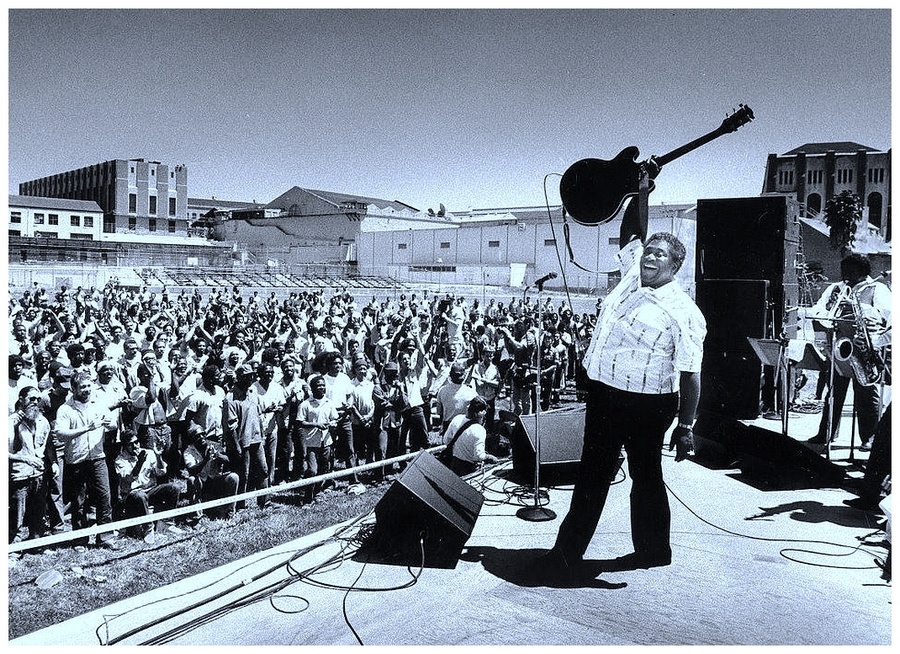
(854, 356)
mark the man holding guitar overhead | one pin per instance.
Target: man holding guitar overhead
(643, 369)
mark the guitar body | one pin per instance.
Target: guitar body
(594, 190)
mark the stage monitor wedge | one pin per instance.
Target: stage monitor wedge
(562, 437)
(427, 511)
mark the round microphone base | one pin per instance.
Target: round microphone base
(535, 514)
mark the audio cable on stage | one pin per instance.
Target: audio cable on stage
(784, 552)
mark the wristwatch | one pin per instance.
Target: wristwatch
(686, 425)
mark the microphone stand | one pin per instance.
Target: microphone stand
(537, 513)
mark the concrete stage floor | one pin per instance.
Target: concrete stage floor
(753, 565)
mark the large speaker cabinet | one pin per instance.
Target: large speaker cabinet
(753, 238)
(746, 255)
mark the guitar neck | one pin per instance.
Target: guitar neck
(693, 145)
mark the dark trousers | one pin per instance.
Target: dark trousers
(252, 472)
(638, 422)
(57, 516)
(318, 461)
(270, 450)
(878, 467)
(344, 449)
(284, 456)
(414, 427)
(217, 487)
(865, 401)
(92, 475)
(161, 497)
(27, 501)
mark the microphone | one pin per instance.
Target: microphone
(546, 278)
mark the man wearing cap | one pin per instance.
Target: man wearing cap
(29, 436)
(454, 396)
(79, 424)
(243, 432)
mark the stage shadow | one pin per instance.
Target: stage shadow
(816, 512)
(518, 568)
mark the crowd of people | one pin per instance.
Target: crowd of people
(124, 401)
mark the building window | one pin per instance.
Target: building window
(171, 226)
(132, 203)
(493, 244)
(153, 204)
(15, 216)
(46, 235)
(132, 223)
(151, 224)
(876, 175)
(550, 242)
(109, 225)
(82, 237)
(401, 246)
(15, 232)
(38, 219)
(53, 219)
(445, 245)
(172, 205)
(75, 221)
(614, 240)
(88, 221)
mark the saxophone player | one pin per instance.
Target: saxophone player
(862, 306)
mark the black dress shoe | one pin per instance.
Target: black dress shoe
(866, 446)
(635, 561)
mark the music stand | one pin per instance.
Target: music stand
(773, 352)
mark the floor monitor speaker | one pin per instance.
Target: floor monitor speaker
(561, 434)
(425, 517)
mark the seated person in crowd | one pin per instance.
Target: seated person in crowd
(466, 437)
(138, 470)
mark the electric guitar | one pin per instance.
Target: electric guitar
(594, 190)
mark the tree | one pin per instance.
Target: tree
(842, 214)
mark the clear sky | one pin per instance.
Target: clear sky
(469, 108)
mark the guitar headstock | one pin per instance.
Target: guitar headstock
(740, 117)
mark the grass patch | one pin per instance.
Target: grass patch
(93, 578)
